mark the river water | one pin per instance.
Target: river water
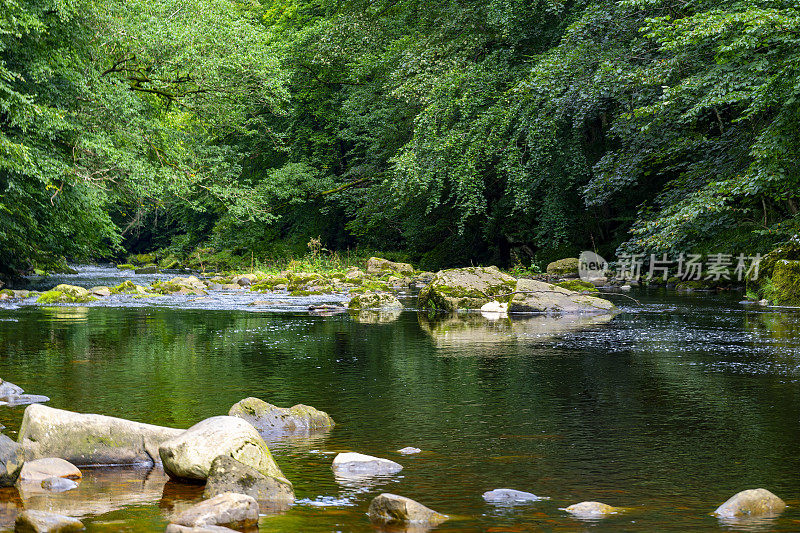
(667, 409)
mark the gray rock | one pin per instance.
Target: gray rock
(26, 399)
(190, 454)
(58, 484)
(11, 459)
(377, 265)
(509, 496)
(101, 290)
(89, 439)
(229, 475)
(374, 300)
(177, 528)
(408, 450)
(358, 464)
(44, 522)
(39, 470)
(267, 418)
(533, 296)
(146, 270)
(9, 390)
(752, 502)
(391, 508)
(228, 509)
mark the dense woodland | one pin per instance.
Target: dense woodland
(448, 132)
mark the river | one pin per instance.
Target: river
(667, 409)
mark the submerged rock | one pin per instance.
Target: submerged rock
(374, 300)
(58, 484)
(466, 288)
(190, 454)
(591, 509)
(39, 470)
(177, 528)
(377, 265)
(11, 459)
(359, 464)
(228, 509)
(409, 450)
(508, 496)
(752, 502)
(44, 522)
(90, 439)
(266, 417)
(229, 475)
(533, 296)
(391, 508)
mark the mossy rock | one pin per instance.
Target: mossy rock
(374, 300)
(126, 266)
(466, 288)
(59, 297)
(378, 265)
(563, 267)
(126, 287)
(269, 283)
(694, 285)
(786, 282)
(170, 263)
(142, 259)
(577, 285)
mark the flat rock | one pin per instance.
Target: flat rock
(374, 300)
(26, 399)
(408, 450)
(58, 484)
(359, 464)
(267, 418)
(532, 296)
(510, 496)
(11, 459)
(466, 288)
(44, 522)
(40, 469)
(90, 439)
(391, 508)
(752, 502)
(228, 509)
(229, 475)
(591, 509)
(190, 454)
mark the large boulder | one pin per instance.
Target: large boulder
(228, 509)
(268, 418)
(39, 470)
(531, 296)
(564, 267)
(190, 454)
(66, 294)
(359, 464)
(786, 282)
(90, 439)
(43, 522)
(374, 300)
(11, 459)
(752, 502)
(466, 288)
(391, 508)
(377, 265)
(229, 475)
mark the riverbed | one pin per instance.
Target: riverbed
(666, 409)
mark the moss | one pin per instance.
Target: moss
(694, 285)
(269, 284)
(58, 297)
(306, 293)
(577, 285)
(785, 287)
(142, 259)
(126, 266)
(568, 265)
(165, 287)
(125, 287)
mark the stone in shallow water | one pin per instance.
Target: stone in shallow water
(359, 464)
(237, 510)
(11, 459)
(510, 496)
(177, 528)
(26, 399)
(591, 509)
(229, 475)
(44, 522)
(190, 454)
(58, 484)
(391, 508)
(752, 502)
(50, 467)
(408, 450)
(266, 417)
